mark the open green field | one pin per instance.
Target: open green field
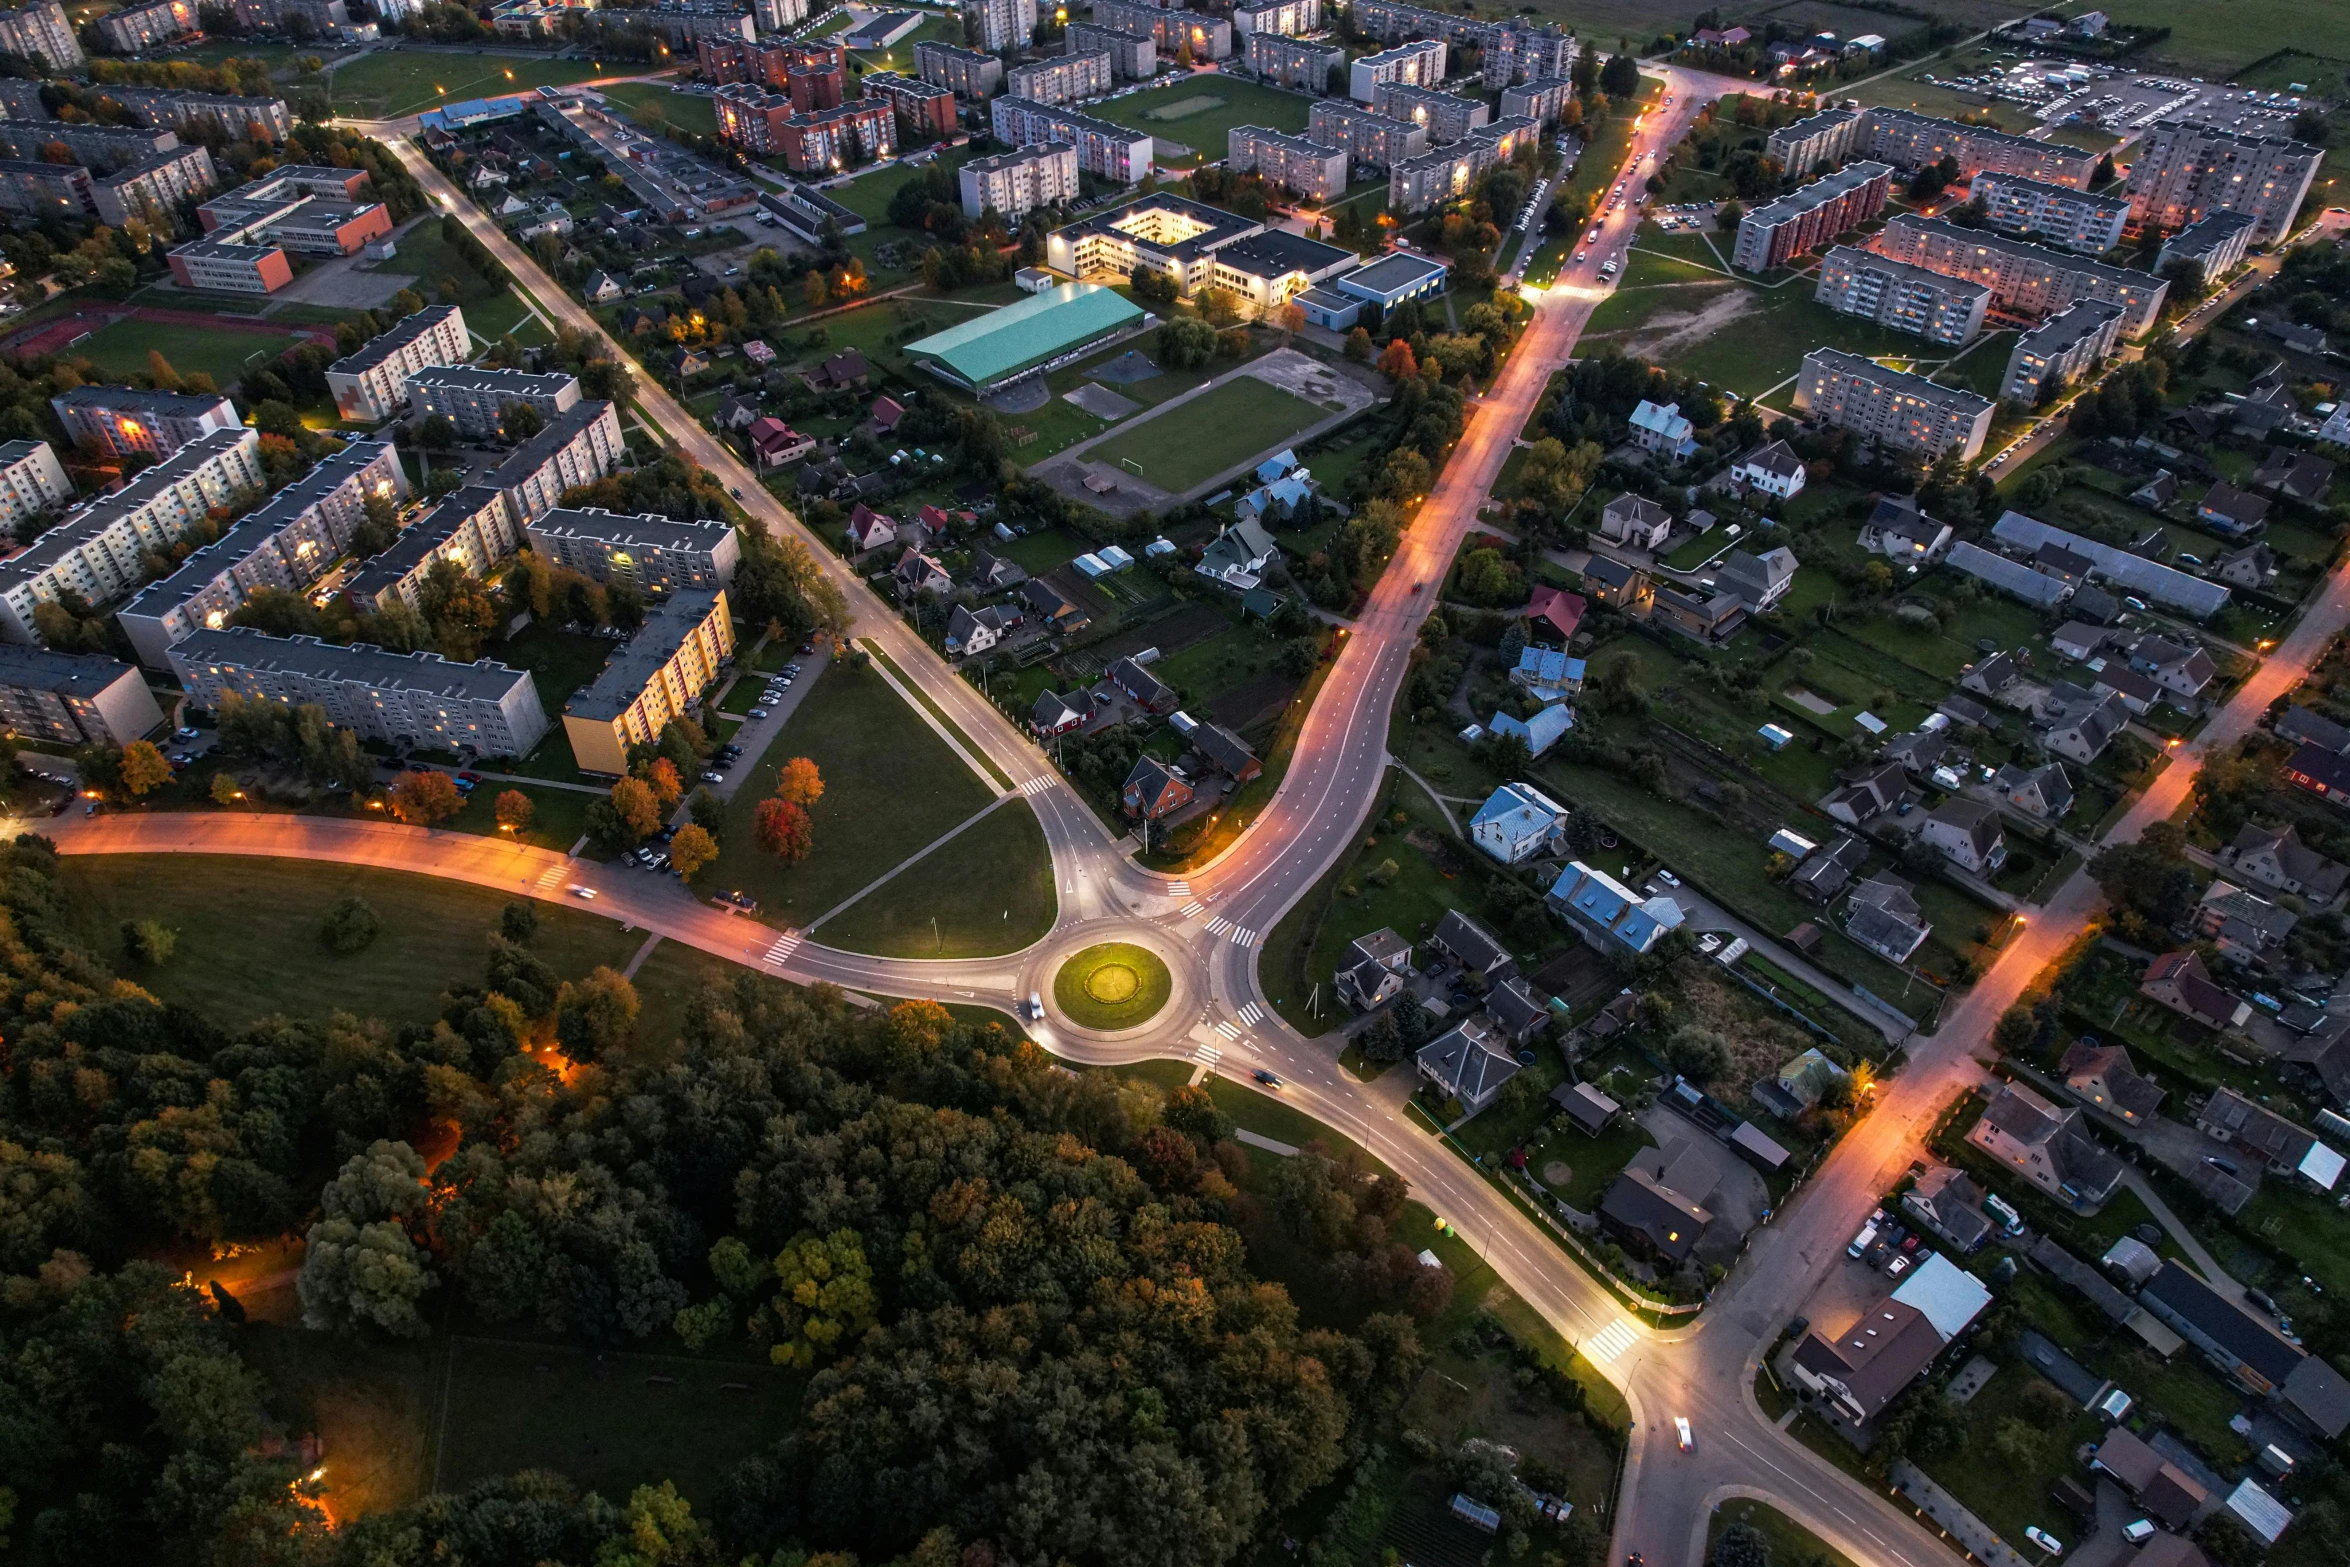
(270, 958)
(1112, 986)
(1792, 1545)
(389, 83)
(220, 352)
(2220, 40)
(989, 890)
(687, 111)
(1214, 431)
(1199, 111)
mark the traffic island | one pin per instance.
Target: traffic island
(1112, 986)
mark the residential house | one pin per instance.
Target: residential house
(2166, 1492)
(1651, 1217)
(1758, 581)
(1517, 823)
(1901, 533)
(2320, 771)
(2078, 724)
(1801, 1084)
(1618, 585)
(1866, 795)
(1948, 1202)
(2157, 492)
(2305, 726)
(2288, 1151)
(884, 415)
(2301, 1386)
(1052, 609)
(1468, 1063)
(1554, 611)
(1968, 834)
(1237, 556)
(1824, 872)
(1884, 917)
(995, 573)
(1864, 1367)
(1371, 969)
(2243, 925)
(1517, 1009)
(2105, 1078)
(845, 371)
(1057, 715)
(2077, 639)
(1147, 690)
(2297, 476)
(1773, 468)
(2182, 671)
(1663, 430)
(971, 632)
(2276, 857)
(602, 289)
(1154, 791)
(775, 444)
(2254, 566)
(736, 414)
(870, 530)
(1591, 1111)
(1635, 523)
(918, 574)
(1544, 730)
(686, 363)
(2138, 692)
(2179, 981)
(1920, 751)
(2236, 513)
(1226, 753)
(1711, 620)
(1993, 677)
(1467, 943)
(2322, 1057)
(1609, 916)
(2046, 1147)
(2045, 792)
(1547, 676)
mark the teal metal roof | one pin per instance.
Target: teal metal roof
(1004, 342)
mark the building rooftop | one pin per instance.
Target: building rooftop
(642, 529)
(248, 534)
(380, 348)
(76, 528)
(482, 378)
(1913, 386)
(532, 454)
(1827, 188)
(624, 679)
(1276, 253)
(419, 540)
(60, 674)
(1393, 273)
(243, 647)
(1001, 342)
(1171, 225)
(2044, 255)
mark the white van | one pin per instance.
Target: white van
(1864, 1240)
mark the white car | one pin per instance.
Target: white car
(577, 891)
(2043, 1539)
(1681, 1429)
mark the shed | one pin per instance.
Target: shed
(2258, 1511)
(1758, 1148)
(1586, 1106)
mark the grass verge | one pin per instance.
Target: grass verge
(1111, 986)
(988, 890)
(1003, 779)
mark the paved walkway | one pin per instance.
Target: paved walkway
(1963, 1528)
(2213, 1274)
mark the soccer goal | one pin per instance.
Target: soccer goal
(1131, 466)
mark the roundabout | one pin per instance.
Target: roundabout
(1112, 986)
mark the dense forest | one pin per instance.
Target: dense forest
(1026, 1328)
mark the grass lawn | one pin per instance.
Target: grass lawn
(1214, 431)
(558, 816)
(1792, 1545)
(560, 662)
(988, 890)
(1198, 111)
(1764, 346)
(689, 111)
(370, 1401)
(423, 251)
(389, 83)
(1112, 985)
(2224, 39)
(219, 352)
(270, 959)
(2006, 1485)
(890, 786)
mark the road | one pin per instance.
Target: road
(1209, 925)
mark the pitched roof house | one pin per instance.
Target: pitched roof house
(2179, 981)
(1635, 523)
(1772, 468)
(1968, 834)
(1467, 1063)
(1370, 971)
(2287, 1150)
(1608, 915)
(2105, 1078)
(1883, 917)
(1154, 791)
(1517, 823)
(2042, 1144)
(1658, 428)
(1464, 941)
(2276, 857)
(1867, 794)
(1759, 581)
(1652, 1216)
(1901, 533)
(2045, 791)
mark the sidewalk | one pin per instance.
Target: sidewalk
(1968, 1532)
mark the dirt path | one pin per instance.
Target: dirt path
(1662, 334)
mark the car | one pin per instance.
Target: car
(757, 712)
(2043, 1539)
(1592, 238)
(1266, 1078)
(2217, 1163)
(1681, 1430)
(90, 809)
(469, 776)
(1898, 1265)
(2138, 1531)
(1668, 878)
(183, 733)
(1582, 256)
(711, 775)
(1863, 1241)
(577, 891)
(2261, 1299)
(808, 646)
(2137, 604)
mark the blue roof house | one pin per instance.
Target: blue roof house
(1662, 429)
(1280, 465)
(1547, 675)
(1540, 732)
(1607, 914)
(1517, 823)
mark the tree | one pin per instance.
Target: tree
(426, 799)
(143, 768)
(1620, 77)
(1698, 1053)
(514, 810)
(1398, 363)
(149, 941)
(521, 420)
(350, 925)
(691, 850)
(707, 810)
(783, 830)
(1186, 343)
(1742, 1545)
(638, 809)
(225, 790)
(596, 1014)
(1358, 346)
(518, 922)
(364, 1276)
(438, 433)
(799, 783)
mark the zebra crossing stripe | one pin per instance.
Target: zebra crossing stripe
(781, 949)
(1189, 909)
(1207, 1055)
(1179, 889)
(1219, 925)
(1251, 1015)
(1037, 785)
(1609, 1342)
(1243, 937)
(1227, 1030)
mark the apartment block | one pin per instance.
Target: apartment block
(2216, 242)
(819, 141)
(73, 698)
(1312, 170)
(240, 119)
(1390, 20)
(1419, 63)
(924, 113)
(1544, 99)
(1417, 184)
(20, 97)
(2184, 172)
(1901, 297)
(1061, 78)
(1909, 140)
(2025, 279)
(1372, 140)
(966, 73)
(481, 709)
(1302, 63)
(372, 383)
(1134, 56)
(287, 544)
(475, 397)
(658, 676)
(1014, 183)
(1293, 18)
(2063, 348)
(1827, 137)
(46, 189)
(32, 482)
(1806, 218)
(998, 26)
(1906, 412)
(102, 147)
(99, 552)
(130, 421)
(579, 446)
(2058, 214)
(39, 33)
(660, 555)
(1174, 31)
(1109, 151)
(811, 72)
(1447, 116)
(473, 529)
(137, 29)
(1519, 51)
(152, 189)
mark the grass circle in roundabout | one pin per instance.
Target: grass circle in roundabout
(1111, 986)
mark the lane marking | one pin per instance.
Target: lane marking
(1189, 909)
(779, 950)
(1207, 1056)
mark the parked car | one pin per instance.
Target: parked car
(2043, 1539)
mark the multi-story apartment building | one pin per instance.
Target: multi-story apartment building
(482, 709)
(1417, 184)
(473, 530)
(130, 421)
(372, 383)
(659, 555)
(2061, 349)
(1904, 298)
(101, 147)
(1906, 412)
(1309, 168)
(2186, 171)
(1544, 99)
(1176, 31)
(658, 676)
(32, 483)
(100, 552)
(136, 29)
(46, 189)
(812, 73)
(38, 32)
(1061, 78)
(1111, 152)
(822, 141)
(1390, 20)
(924, 113)
(1302, 63)
(1015, 182)
(1519, 51)
(999, 26)
(966, 73)
(1419, 63)
(20, 98)
(475, 397)
(152, 189)
(1295, 18)
(239, 119)
(73, 698)
(1372, 140)
(579, 446)
(773, 16)
(1448, 116)
(2025, 279)
(287, 544)
(1909, 140)
(1825, 138)
(2216, 242)
(2058, 214)
(1134, 56)
(1804, 219)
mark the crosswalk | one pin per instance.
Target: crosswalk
(1228, 1031)
(1179, 889)
(551, 877)
(1037, 785)
(1251, 1015)
(1238, 935)
(779, 950)
(1207, 1056)
(1194, 907)
(1609, 1342)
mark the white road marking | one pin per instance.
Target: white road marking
(1609, 1342)
(1179, 889)
(1038, 785)
(1207, 1055)
(1219, 925)
(1242, 937)
(1189, 909)
(1251, 1015)
(779, 951)
(1227, 1030)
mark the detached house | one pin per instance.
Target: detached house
(1471, 945)
(1470, 1063)
(2247, 1350)
(1057, 715)
(1371, 969)
(1883, 917)
(1635, 523)
(2179, 981)
(1968, 835)
(1517, 823)
(2254, 566)
(1154, 791)
(2182, 671)
(2045, 791)
(1608, 915)
(975, 631)
(2287, 1151)
(1621, 587)
(2276, 857)
(2322, 772)
(775, 444)
(2241, 924)
(1757, 581)
(2104, 1077)
(918, 574)
(2079, 724)
(1661, 429)
(1904, 535)
(870, 530)
(2044, 1145)
(1867, 795)
(1772, 468)
(2236, 513)
(1237, 556)
(1147, 690)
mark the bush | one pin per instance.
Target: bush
(350, 926)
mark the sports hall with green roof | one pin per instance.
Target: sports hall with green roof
(1038, 332)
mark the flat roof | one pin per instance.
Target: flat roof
(1004, 341)
(377, 349)
(1393, 274)
(624, 679)
(614, 527)
(76, 528)
(362, 662)
(1215, 226)
(533, 454)
(1277, 253)
(421, 538)
(522, 383)
(62, 674)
